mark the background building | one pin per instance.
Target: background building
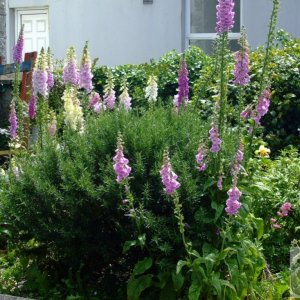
(133, 31)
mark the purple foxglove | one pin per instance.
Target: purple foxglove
(183, 84)
(232, 203)
(32, 107)
(40, 76)
(121, 167)
(200, 158)
(85, 72)
(216, 141)
(109, 98)
(169, 178)
(241, 72)
(263, 106)
(18, 48)
(70, 72)
(225, 16)
(285, 209)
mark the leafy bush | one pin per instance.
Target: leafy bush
(274, 182)
(67, 200)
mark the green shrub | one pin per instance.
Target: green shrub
(272, 183)
(67, 199)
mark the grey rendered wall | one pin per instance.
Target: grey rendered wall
(256, 14)
(118, 31)
(2, 29)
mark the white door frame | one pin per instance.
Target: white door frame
(29, 11)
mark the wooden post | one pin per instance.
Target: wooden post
(26, 82)
(26, 90)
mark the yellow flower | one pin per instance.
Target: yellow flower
(263, 151)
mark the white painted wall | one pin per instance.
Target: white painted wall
(118, 31)
(256, 14)
(128, 31)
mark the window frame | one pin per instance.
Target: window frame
(209, 35)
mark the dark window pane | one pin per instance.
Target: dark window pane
(203, 16)
(208, 45)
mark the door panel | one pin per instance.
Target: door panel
(36, 29)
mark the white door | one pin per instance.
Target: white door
(36, 29)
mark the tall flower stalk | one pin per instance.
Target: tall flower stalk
(171, 185)
(264, 78)
(85, 72)
(125, 99)
(109, 92)
(151, 91)
(19, 47)
(183, 85)
(40, 93)
(241, 75)
(50, 79)
(17, 107)
(70, 72)
(73, 113)
(40, 76)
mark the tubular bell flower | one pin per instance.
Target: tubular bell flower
(40, 76)
(169, 178)
(70, 72)
(263, 106)
(151, 89)
(32, 107)
(50, 80)
(85, 72)
(232, 203)
(121, 166)
(225, 16)
(241, 71)
(18, 48)
(52, 125)
(95, 102)
(183, 85)
(73, 112)
(239, 157)
(13, 121)
(200, 157)
(284, 209)
(125, 100)
(216, 141)
(110, 94)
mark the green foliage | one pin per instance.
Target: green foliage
(68, 201)
(282, 123)
(272, 183)
(166, 70)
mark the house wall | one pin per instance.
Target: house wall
(256, 14)
(2, 29)
(118, 31)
